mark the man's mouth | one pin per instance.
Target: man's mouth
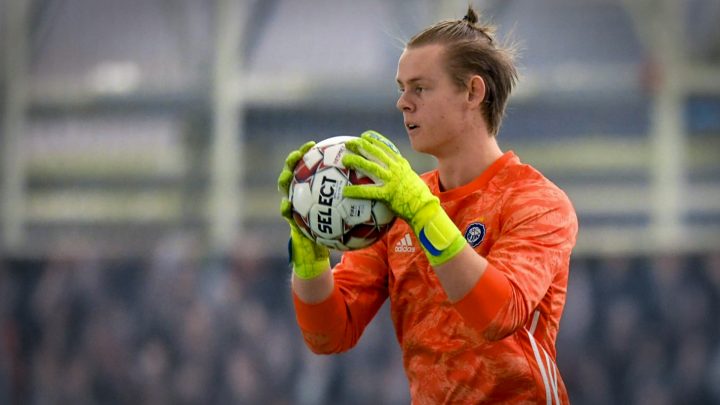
(411, 126)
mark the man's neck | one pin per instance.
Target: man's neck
(467, 163)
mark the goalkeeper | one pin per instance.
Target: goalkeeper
(477, 295)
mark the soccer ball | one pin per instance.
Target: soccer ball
(319, 208)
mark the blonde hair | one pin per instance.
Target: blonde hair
(470, 49)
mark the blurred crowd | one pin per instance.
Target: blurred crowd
(180, 328)
(174, 328)
(642, 330)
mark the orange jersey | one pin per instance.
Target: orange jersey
(497, 344)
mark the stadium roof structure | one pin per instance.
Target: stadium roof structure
(618, 102)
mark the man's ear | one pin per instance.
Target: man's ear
(476, 90)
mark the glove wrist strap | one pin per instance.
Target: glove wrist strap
(308, 260)
(440, 238)
(309, 271)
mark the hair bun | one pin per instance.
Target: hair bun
(471, 17)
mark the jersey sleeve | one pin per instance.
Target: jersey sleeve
(539, 227)
(361, 286)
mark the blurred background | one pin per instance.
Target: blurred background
(142, 259)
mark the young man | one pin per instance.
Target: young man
(476, 296)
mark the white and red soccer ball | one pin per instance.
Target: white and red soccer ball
(321, 211)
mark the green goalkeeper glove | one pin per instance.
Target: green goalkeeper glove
(308, 258)
(405, 193)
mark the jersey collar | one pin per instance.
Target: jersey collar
(478, 183)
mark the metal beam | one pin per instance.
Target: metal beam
(15, 47)
(667, 128)
(226, 204)
(660, 28)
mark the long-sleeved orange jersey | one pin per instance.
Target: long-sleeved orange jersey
(495, 345)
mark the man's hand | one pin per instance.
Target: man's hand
(308, 258)
(405, 193)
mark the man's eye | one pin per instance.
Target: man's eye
(419, 89)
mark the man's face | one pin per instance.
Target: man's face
(434, 108)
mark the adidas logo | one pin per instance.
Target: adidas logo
(405, 245)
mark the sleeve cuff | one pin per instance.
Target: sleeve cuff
(319, 316)
(490, 294)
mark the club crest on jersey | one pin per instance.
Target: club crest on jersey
(475, 233)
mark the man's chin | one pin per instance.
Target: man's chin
(418, 145)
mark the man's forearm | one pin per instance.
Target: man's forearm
(460, 274)
(314, 290)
